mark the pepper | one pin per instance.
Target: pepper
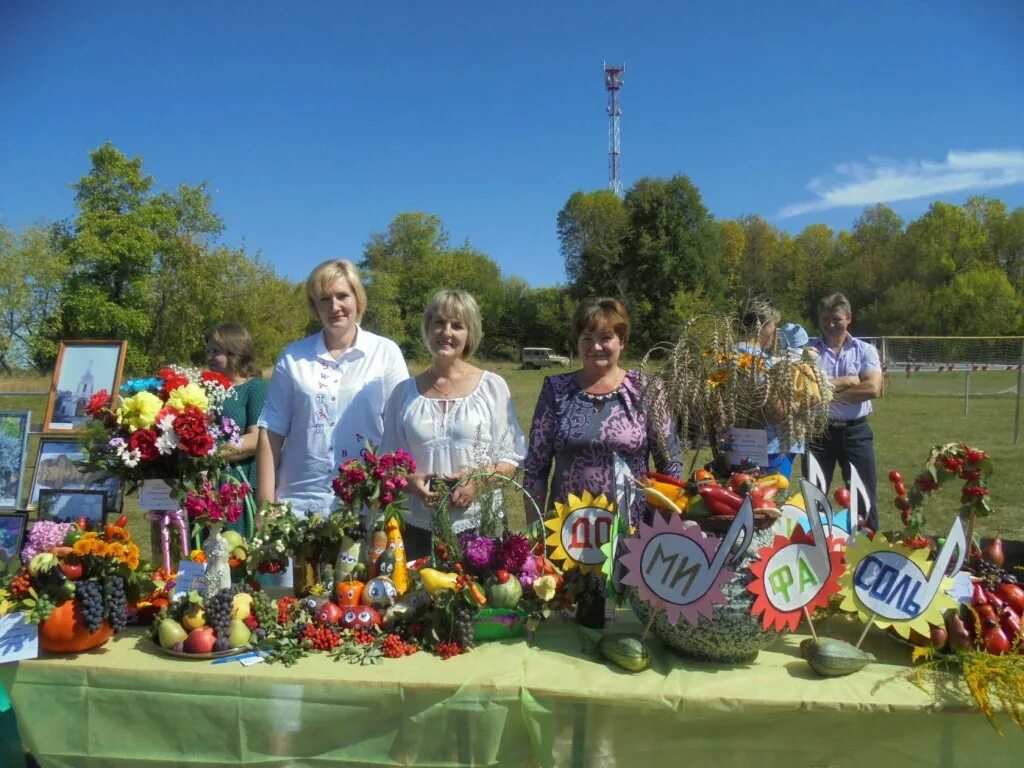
(723, 495)
(717, 503)
(663, 478)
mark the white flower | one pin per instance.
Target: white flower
(130, 459)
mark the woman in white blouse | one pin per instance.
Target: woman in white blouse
(327, 394)
(454, 418)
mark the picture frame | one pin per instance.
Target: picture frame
(14, 429)
(84, 367)
(68, 505)
(56, 469)
(13, 525)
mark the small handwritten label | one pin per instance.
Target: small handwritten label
(749, 444)
(191, 575)
(156, 495)
(18, 640)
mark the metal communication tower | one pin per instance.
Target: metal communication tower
(612, 83)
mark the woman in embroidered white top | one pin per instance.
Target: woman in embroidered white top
(454, 418)
(327, 395)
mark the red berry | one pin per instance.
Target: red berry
(906, 516)
(902, 503)
(900, 488)
(895, 477)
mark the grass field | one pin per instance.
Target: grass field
(913, 415)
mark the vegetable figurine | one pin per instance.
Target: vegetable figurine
(397, 545)
(434, 581)
(378, 543)
(348, 559)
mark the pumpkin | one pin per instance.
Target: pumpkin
(348, 593)
(65, 632)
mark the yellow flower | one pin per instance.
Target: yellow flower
(545, 587)
(190, 394)
(718, 378)
(139, 411)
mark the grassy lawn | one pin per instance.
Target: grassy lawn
(915, 414)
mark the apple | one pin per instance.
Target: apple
(194, 618)
(238, 633)
(200, 640)
(234, 539)
(171, 633)
(842, 497)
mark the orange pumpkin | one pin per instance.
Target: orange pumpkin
(348, 593)
(65, 632)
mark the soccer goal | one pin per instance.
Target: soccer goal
(944, 366)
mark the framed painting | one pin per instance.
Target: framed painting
(70, 505)
(56, 470)
(83, 369)
(12, 535)
(14, 428)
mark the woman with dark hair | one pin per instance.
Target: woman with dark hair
(230, 351)
(584, 418)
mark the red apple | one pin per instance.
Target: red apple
(200, 640)
(842, 497)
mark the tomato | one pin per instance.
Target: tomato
(895, 477)
(842, 497)
(71, 570)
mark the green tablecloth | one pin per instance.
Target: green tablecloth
(126, 705)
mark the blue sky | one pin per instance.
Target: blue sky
(315, 124)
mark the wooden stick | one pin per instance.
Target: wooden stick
(650, 621)
(865, 632)
(810, 624)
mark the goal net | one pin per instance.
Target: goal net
(919, 354)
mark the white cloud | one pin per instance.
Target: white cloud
(883, 180)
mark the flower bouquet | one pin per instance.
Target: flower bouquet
(76, 584)
(168, 427)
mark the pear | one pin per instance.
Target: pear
(241, 605)
(238, 633)
(171, 633)
(994, 551)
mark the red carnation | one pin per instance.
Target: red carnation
(200, 445)
(144, 441)
(216, 378)
(172, 382)
(97, 403)
(190, 424)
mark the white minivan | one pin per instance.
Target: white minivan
(541, 357)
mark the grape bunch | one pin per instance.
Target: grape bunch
(218, 612)
(990, 573)
(44, 606)
(116, 602)
(263, 609)
(90, 599)
(463, 616)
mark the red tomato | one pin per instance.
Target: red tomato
(895, 477)
(842, 497)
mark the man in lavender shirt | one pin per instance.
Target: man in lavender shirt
(856, 374)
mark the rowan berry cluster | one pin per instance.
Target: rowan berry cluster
(321, 638)
(395, 647)
(447, 649)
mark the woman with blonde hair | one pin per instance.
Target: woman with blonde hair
(327, 394)
(454, 418)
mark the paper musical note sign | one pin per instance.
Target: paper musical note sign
(18, 640)
(682, 570)
(796, 572)
(580, 529)
(899, 587)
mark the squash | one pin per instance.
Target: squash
(397, 545)
(834, 658)
(627, 651)
(65, 632)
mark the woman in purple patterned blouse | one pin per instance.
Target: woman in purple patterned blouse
(584, 418)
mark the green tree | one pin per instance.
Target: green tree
(673, 244)
(592, 230)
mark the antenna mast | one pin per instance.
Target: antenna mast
(612, 83)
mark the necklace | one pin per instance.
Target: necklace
(440, 391)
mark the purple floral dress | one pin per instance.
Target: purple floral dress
(580, 433)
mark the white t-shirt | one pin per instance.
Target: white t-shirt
(447, 436)
(326, 410)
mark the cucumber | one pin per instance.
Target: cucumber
(834, 658)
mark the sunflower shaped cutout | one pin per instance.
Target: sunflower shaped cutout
(893, 585)
(792, 574)
(677, 568)
(581, 527)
